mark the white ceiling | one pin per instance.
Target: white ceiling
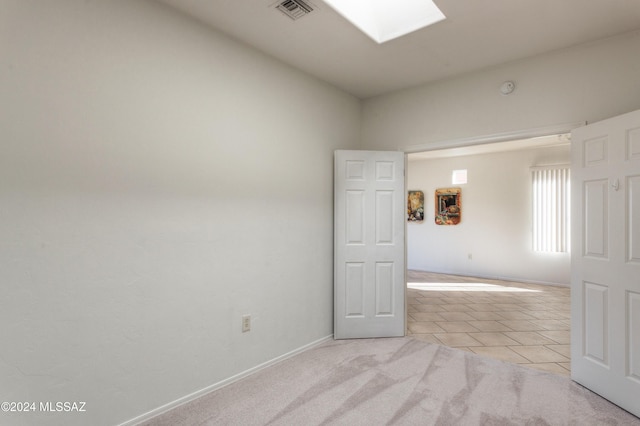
(476, 34)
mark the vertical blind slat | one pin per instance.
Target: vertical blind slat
(550, 189)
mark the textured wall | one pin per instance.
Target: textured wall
(589, 82)
(153, 189)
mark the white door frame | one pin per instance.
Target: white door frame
(480, 140)
(496, 137)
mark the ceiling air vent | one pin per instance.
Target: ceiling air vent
(294, 9)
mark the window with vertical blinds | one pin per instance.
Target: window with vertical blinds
(551, 209)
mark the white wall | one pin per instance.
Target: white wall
(496, 218)
(585, 83)
(589, 83)
(153, 188)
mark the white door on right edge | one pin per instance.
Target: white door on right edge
(605, 277)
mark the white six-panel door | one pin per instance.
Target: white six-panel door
(369, 267)
(605, 280)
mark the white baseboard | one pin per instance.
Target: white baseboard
(498, 277)
(171, 405)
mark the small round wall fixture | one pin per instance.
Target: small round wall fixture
(507, 87)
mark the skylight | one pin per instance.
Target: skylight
(384, 20)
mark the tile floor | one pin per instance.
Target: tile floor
(527, 324)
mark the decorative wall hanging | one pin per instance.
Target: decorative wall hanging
(415, 206)
(448, 206)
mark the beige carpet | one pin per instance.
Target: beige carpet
(401, 381)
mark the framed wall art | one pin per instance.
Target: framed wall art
(448, 206)
(415, 206)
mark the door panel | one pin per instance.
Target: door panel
(354, 290)
(633, 217)
(633, 144)
(596, 318)
(384, 217)
(385, 305)
(355, 217)
(633, 299)
(596, 211)
(605, 289)
(369, 286)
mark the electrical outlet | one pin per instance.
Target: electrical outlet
(246, 323)
(470, 256)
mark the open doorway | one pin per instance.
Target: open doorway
(478, 285)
